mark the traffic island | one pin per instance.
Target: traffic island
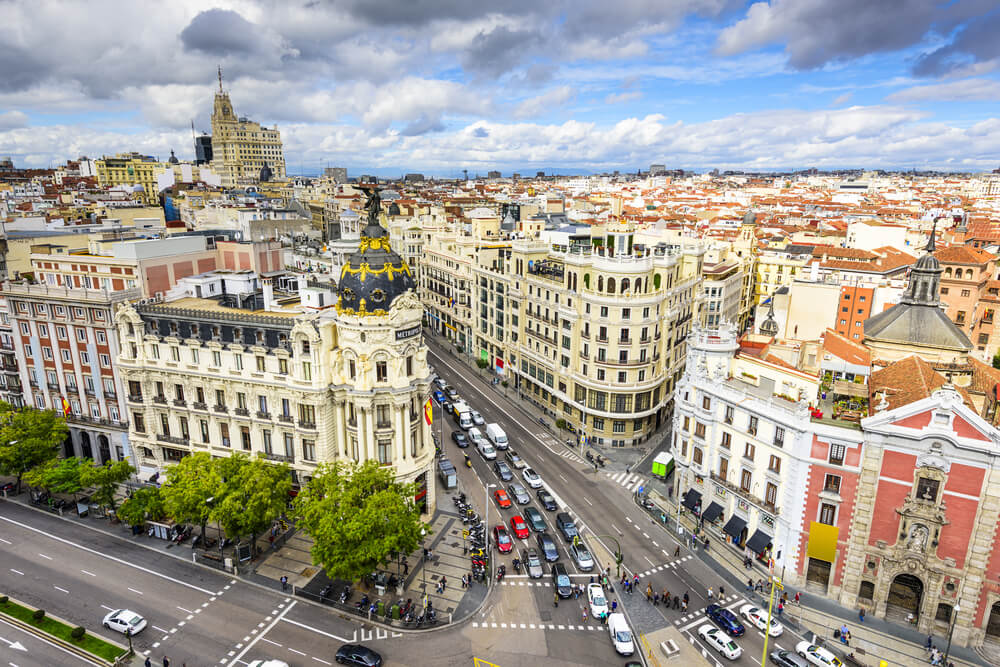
(63, 634)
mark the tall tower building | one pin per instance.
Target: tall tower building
(241, 148)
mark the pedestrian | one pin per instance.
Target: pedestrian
(627, 469)
(861, 614)
(656, 599)
(148, 663)
(781, 608)
(591, 578)
(440, 588)
(284, 582)
(604, 617)
(624, 579)
(677, 602)
(576, 592)
(649, 590)
(749, 584)
(444, 583)
(711, 595)
(635, 580)
(928, 643)
(406, 567)
(686, 599)
(166, 661)
(677, 551)
(665, 597)
(797, 594)
(555, 599)
(684, 605)
(722, 592)
(585, 614)
(614, 606)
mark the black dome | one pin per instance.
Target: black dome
(374, 276)
(265, 173)
(393, 209)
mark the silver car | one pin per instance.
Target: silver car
(532, 563)
(519, 493)
(581, 556)
(477, 418)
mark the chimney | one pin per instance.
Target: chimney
(268, 294)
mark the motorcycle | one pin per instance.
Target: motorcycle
(345, 595)
(501, 571)
(601, 461)
(363, 603)
(648, 504)
(517, 565)
(468, 461)
(325, 591)
(590, 457)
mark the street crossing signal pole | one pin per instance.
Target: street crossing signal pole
(775, 587)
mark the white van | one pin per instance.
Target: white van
(465, 420)
(621, 636)
(486, 450)
(496, 436)
(475, 436)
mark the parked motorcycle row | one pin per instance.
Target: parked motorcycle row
(477, 536)
(597, 460)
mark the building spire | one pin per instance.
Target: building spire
(930, 242)
(220, 78)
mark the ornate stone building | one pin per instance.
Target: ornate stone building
(243, 151)
(298, 372)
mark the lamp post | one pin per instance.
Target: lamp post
(423, 569)
(486, 519)
(954, 617)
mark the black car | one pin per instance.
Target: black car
(460, 439)
(725, 619)
(534, 519)
(788, 659)
(547, 501)
(356, 654)
(446, 406)
(548, 547)
(564, 522)
(503, 471)
(560, 579)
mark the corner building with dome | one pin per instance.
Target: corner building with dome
(297, 371)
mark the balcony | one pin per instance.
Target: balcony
(263, 415)
(53, 385)
(96, 421)
(220, 408)
(90, 391)
(162, 400)
(746, 495)
(241, 412)
(287, 419)
(602, 339)
(307, 425)
(199, 405)
(180, 403)
(281, 458)
(134, 398)
(173, 440)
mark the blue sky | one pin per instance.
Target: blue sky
(439, 85)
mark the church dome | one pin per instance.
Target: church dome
(394, 209)
(375, 275)
(173, 158)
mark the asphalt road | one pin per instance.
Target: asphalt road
(605, 513)
(24, 649)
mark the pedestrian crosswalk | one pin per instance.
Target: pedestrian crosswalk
(666, 566)
(567, 454)
(537, 626)
(628, 480)
(695, 616)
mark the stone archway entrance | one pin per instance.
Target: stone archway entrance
(85, 449)
(993, 623)
(905, 595)
(105, 448)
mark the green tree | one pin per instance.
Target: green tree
(107, 478)
(191, 484)
(59, 475)
(358, 516)
(256, 495)
(996, 360)
(28, 438)
(145, 503)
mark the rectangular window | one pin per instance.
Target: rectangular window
(771, 495)
(385, 452)
(289, 444)
(927, 489)
(687, 424)
(220, 398)
(260, 364)
(749, 451)
(139, 422)
(706, 403)
(746, 477)
(105, 360)
(81, 335)
(262, 404)
(85, 358)
(204, 430)
(47, 353)
(828, 514)
(752, 428)
(837, 454)
(307, 371)
(245, 438)
(832, 483)
(779, 436)
(774, 465)
(266, 435)
(61, 332)
(216, 358)
(283, 366)
(723, 467)
(727, 439)
(618, 426)
(101, 338)
(165, 424)
(381, 371)
(699, 430)
(175, 353)
(696, 455)
(224, 432)
(309, 450)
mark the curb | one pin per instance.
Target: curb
(61, 643)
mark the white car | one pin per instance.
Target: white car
(758, 618)
(477, 418)
(720, 641)
(124, 621)
(486, 451)
(817, 655)
(598, 603)
(531, 478)
(268, 663)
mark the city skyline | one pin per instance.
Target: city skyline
(576, 87)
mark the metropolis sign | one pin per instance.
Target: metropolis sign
(402, 334)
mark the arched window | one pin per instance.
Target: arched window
(625, 285)
(968, 274)
(947, 272)
(611, 285)
(600, 283)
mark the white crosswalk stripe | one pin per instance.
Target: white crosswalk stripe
(628, 480)
(567, 454)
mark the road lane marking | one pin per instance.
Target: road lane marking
(563, 478)
(320, 632)
(102, 555)
(90, 574)
(45, 557)
(135, 591)
(156, 627)
(587, 501)
(104, 606)
(265, 639)
(60, 589)
(320, 660)
(616, 529)
(4, 541)
(294, 651)
(261, 636)
(43, 639)
(655, 544)
(186, 611)
(17, 572)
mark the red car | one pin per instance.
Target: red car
(503, 500)
(502, 539)
(519, 526)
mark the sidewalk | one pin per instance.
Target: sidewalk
(819, 615)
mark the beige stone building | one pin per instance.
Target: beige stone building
(241, 148)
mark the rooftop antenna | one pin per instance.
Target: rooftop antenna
(220, 78)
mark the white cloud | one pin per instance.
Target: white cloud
(546, 102)
(623, 97)
(842, 99)
(953, 91)
(13, 119)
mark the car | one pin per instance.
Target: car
(547, 501)
(519, 526)
(486, 450)
(725, 619)
(460, 439)
(356, 654)
(548, 547)
(531, 478)
(124, 621)
(597, 601)
(532, 563)
(515, 460)
(451, 392)
(520, 494)
(477, 418)
(758, 618)
(501, 538)
(439, 397)
(446, 406)
(560, 580)
(268, 663)
(566, 526)
(718, 640)
(440, 382)
(503, 471)
(581, 556)
(503, 500)
(621, 636)
(475, 436)
(534, 519)
(788, 659)
(817, 655)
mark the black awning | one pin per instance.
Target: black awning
(734, 527)
(758, 542)
(692, 500)
(712, 512)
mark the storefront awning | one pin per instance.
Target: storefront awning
(734, 527)
(758, 542)
(692, 500)
(712, 512)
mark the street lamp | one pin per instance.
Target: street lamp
(954, 617)
(486, 519)
(423, 570)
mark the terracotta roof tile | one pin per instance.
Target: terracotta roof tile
(963, 254)
(908, 380)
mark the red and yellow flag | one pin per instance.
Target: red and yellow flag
(65, 406)
(428, 412)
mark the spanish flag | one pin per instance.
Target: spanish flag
(428, 412)
(65, 406)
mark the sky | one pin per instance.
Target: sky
(438, 86)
